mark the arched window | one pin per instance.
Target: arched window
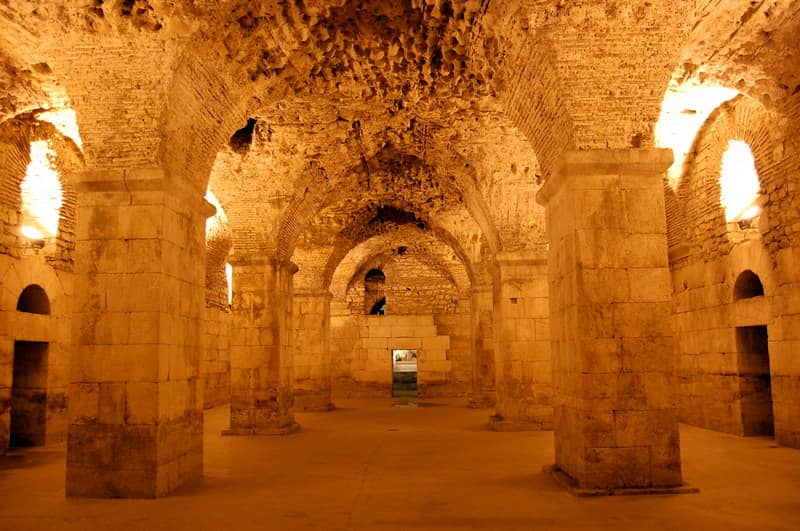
(747, 286)
(33, 299)
(739, 182)
(41, 193)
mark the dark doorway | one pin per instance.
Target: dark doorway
(29, 394)
(754, 380)
(404, 373)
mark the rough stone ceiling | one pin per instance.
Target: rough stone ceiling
(383, 248)
(751, 46)
(471, 100)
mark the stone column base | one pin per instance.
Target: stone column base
(499, 423)
(571, 485)
(482, 402)
(287, 429)
(313, 403)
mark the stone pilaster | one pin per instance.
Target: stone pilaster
(522, 344)
(312, 372)
(482, 321)
(615, 412)
(136, 419)
(261, 347)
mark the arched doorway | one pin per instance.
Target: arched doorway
(752, 351)
(29, 377)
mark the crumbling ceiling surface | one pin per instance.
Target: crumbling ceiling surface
(451, 110)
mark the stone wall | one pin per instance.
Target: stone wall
(362, 347)
(53, 329)
(215, 367)
(707, 255)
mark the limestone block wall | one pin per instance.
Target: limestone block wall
(524, 362)
(707, 255)
(312, 355)
(54, 329)
(705, 319)
(215, 369)
(362, 346)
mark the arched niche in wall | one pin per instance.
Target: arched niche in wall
(34, 299)
(747, 286)
(374, 292)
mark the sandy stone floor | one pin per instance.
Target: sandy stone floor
(373, 466)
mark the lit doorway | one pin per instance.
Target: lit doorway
(755, 386)
(29, 394)
(404, 373)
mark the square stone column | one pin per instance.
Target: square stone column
(523, 365)
(312, 363)
(261, 347)
(482, 320)
(616, 423)
(135, 412)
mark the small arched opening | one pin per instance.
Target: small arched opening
(747, 286)
(34, 299)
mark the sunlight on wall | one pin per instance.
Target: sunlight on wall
(65, 121)
(41, 193)
(684, 110)
(229, 277)
(217, 220)
(739, 182)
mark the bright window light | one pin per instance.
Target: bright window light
(229, 277)
(41, 193)
(65, 121)
(739, 182)
(684, 110)
(217, 220)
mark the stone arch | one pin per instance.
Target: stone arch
(319, 191)
(16, 136)
(698, 195)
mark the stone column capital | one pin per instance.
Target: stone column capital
(639, 162)
(265, 259)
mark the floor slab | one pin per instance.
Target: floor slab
(372, 465)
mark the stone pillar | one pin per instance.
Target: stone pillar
(261, 347)
(312, 372)
(135, 413)
(523, 364)
(616, 421)
(483, 390)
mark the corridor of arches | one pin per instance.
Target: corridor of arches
(579, 219)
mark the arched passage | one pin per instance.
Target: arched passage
(29, 377)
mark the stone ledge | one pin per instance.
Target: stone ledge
(277, 430)
(568, 482)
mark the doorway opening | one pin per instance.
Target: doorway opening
(404, 373)
(29, 394)
(755, 385)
